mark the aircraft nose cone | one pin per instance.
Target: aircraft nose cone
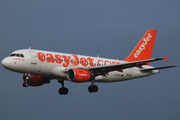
(5, 62)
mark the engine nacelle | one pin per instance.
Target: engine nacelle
(78, 75)
(37, 80)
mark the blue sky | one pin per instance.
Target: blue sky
(110, 29)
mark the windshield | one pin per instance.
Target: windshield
(12, 55)
(17, 55)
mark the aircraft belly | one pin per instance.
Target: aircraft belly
(111, 77)
(127, 74)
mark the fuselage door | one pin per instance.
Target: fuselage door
(33, 57)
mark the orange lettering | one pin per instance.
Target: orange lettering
(91, 61)
(67, 60)
(99, 61)
(58, 59)
(83, 62)
(76, 61)
(115, 62)
(41, 57)
(50, 58)
(107, 62)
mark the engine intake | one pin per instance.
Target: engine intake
(78, 75)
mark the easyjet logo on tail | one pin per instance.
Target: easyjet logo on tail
(143, 49)
(143, 45)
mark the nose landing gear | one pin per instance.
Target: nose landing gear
(26, 79)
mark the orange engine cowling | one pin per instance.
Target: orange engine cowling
(37, 80)
(78, 75)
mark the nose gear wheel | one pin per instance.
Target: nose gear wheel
(26, 79)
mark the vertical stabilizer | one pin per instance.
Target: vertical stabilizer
(143, 49)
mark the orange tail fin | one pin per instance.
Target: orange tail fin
(143, 49)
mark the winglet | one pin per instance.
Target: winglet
(166, 58)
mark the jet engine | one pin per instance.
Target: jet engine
(37, 80)
(78, 75)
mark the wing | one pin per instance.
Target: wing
(102, 70)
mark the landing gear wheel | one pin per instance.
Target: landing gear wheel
(93, 88)
(90, 89)
(25, 84)
(26, 79)
(63, 91)
(66, 91)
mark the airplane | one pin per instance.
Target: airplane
(39, 66)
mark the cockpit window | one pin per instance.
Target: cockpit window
(17, 55)
(12, 55)
(21, 55)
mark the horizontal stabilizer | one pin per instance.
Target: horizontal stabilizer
(157, 68)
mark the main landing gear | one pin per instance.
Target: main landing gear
(26, 79)
(63, 90)
(93, 88)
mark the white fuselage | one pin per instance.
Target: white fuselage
(55, 65)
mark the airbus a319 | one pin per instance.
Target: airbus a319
(39, 67)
